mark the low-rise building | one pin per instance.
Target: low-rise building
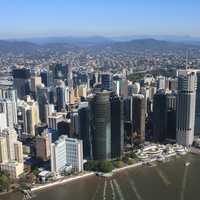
(14, 169)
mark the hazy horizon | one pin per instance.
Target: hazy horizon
(48, 18)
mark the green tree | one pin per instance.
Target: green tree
(5, 182)
(118, 164)
(105, 166)
(91, 165)
(130, 162)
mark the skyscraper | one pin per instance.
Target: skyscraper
(159, 116)
(28, 116)
(197, 112)
(128, 116)
(106, 81)
(101, 126)
(62, 96)
(186, 100)
(3, 150)
(85, 129)
(43, 146)
(10, 109)
(22, 81)
(139, 109)
(117, 127)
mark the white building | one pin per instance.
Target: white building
(11, 153)
(10, 109)
(186, 99)
(75, 153)
(28, 115)
(65, 152)
(58, 156)
(3, 150)
(14, 169)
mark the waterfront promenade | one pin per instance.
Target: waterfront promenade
(78, 177)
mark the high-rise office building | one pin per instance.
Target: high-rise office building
(74, 118)
(42, 99)
(11, 138)
(3, 116)
(28, 116)
(11, 154)
(186, 99)
(159, 116)
(3, 150)
(161, 81)
(106, 81)
(46, 77)
(43, 146)
(10, 109)
(101, 126)
(171, 116)
(22, 81)
(164, 116)
(35, 82)
(138, 116)
(123, 88)
(85, 129)
(62, 97)
(128, 116)
(197, 111)
(117, 127)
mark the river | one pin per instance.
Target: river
(166, 181)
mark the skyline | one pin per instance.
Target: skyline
(114, 18)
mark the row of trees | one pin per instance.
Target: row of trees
(99, 166)
(107, 166)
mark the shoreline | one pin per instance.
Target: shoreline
(87, 174)
(66, 180)
(61, 182)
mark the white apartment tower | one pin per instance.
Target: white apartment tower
(186, 99)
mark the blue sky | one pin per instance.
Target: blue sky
(27, 18)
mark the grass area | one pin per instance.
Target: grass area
(135, 77)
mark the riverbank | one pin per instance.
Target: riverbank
(151, 183)
(69, 179)
(61, 182)
(87, 174)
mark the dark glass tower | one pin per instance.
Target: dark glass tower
(164, 116)
(84, 129)
(138, 113)
(171, 116)
(128, 125)
(117, 127)
(22, 81)
(101, 126)
(106, 81)
(60, 98)
(159, 117)
(197, 112)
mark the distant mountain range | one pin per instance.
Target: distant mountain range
(93, 40)
(92, 43)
